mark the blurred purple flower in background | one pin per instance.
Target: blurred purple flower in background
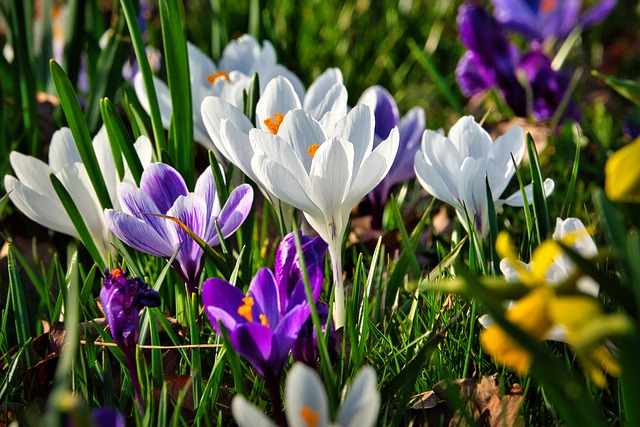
(543, 20)
(410, 128)
(163, 192)
(492, 61)
(122, 299)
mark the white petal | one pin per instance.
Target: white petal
(357, 127)
(374, 168)
(240, 54)
(62, 150)
(333, 107)
(278, 97)
(321, 86)
(511, 143)
(32, 173)
(301, 131)
(516, 198)
(162, 93)
(214, 110)
(437, 167)
(104, 155)
(473, 194)
(469, 138)
(144, 149)
(45, 209)
(239, 148)
(304, 392)
(247, 415)
(362, 402)
(200, 66)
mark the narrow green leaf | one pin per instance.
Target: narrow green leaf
(252, 98)
(566, 206)
(145, 70)
(627, 88)
(427, 65)
(218, 178)
(493, 229)
(19, 303)
(118, 133)
(539, 198)
(113, 134)
(182, 148)
(77, 221)
(80, 132)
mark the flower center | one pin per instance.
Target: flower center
(245, 309)
(312, 150)
(309, 416)
(264, 321)
(211, 78)
(273, 123)
(548, 5)
(116, 272)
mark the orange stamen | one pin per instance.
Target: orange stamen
(211, 78)
(312, 150)
(264, 321)
(548, 5)
(245, 310)
(116, 272)
(310, 416)
(273, 124)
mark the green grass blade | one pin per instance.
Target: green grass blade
(182, 148)
(118, 133)
(425, 62)
(19, 303)
(493, 229)
(539, 198)
(566, 206)
(627, 88)
(145, 70)
(80, 132)
(77, 221)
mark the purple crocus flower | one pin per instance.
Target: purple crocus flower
(122, 299)
(543, 20)
(410, 128)
(107, 417)
(305, 349)
(492, 61)
(262, 328)
(163, 192)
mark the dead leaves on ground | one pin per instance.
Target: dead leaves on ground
(466, 402)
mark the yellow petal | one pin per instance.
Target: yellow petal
(622, 174)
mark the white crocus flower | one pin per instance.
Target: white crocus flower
(241, 59)
(572, 232)
(307, 403)
(228, 127)
(454, 169)
(33, 194)
(323, 172)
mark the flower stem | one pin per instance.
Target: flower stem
(336, 265)
(273, 385)
(130, 360)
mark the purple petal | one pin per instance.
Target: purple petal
(292, 322)
(233, 214)
(299, 293)
(136, 202)
(163, 184)
(472, 76)
(221, 301)
(287, 264)
(107, 417)
(192, 212)
(265, 293)
(559, 20)
(384, 108)
(518, 15)
(138, 234)
(597, 13)
(206, 188)
(411, 127)
(265, 350)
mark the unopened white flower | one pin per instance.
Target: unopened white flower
(454, 169)
(307, 403)
(323, 172)
(33, 194)
(240, 60)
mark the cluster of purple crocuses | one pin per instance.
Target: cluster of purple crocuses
(264, 325)
(526, 80)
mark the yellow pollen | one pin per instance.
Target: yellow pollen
(264, 321)
(312, 150)
(548, 5)
(310, 416)
(245, 310)
(116, 272)
(211, 78)
(273, 123)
